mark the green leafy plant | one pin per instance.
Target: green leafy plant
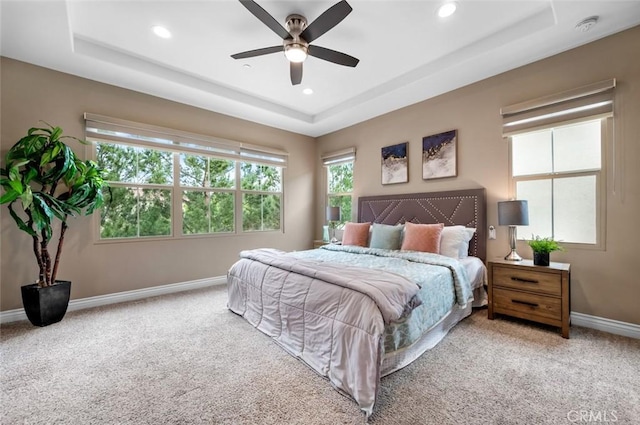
(44, 181)
(544, 245)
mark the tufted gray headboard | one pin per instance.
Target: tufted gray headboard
(463, 207)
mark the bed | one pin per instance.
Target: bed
(357, 313)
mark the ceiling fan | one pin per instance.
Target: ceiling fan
(298, 36)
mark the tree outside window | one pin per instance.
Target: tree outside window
(340, 188)
(261, 194)
(138, 200)
(140, 197)
(207, 211)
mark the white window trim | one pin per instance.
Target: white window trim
(339, 157)
(601, 181)
(177, 142)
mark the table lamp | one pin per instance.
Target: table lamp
(512, 214)
(333, 214)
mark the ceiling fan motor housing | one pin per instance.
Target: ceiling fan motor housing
(295, 25)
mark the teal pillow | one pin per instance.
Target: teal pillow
(384, 236)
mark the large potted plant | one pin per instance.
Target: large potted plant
(541, 248)
(45, 183)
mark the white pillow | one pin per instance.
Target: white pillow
(454, 241)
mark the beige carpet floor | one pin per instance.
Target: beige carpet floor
(186, 359)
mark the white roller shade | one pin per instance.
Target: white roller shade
(129, 132)
(339, 157)
(591, 101)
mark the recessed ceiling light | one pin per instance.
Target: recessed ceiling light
(246, 66)
(307, 91)
(161, 32)
(447, 9)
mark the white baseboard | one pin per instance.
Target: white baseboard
(607, 325)
(579, 319)
(119, 297)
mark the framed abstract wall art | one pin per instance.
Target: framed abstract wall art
(439, 155)
(395, 165)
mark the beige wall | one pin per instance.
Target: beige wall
(31, 93)
(604, 283)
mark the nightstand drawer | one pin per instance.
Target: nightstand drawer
(527, 280)
(528, 305)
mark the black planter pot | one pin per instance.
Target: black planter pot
(47, 305)
(541, 258)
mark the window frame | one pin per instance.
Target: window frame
(606, 137)
(240, 198)
(176, 189)
(329, 195)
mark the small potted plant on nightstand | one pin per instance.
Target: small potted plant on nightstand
(541, 248)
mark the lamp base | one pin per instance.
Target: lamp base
(513, 256)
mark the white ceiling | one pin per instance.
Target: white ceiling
(407, 53)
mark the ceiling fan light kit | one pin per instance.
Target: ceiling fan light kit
(297, 37)
(295, 52)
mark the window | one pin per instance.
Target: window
(159, 187)
(340, 184)
(207, 188)
(558, 171)
(339, 167)
(261, 187)
(138, 201)
(558, 161)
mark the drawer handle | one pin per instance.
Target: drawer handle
(525, 303)
(519, 279)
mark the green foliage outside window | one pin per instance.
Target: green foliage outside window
(260, 211)
(258, 177)
(130, 209)
(340, 178)
(135, 212)
(130, 164)
(139, 202)
(201, 171)
(207, 211)
(340, 186)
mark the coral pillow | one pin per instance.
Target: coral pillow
(356, 234)
(422, 237)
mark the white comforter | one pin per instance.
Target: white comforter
(331, 316)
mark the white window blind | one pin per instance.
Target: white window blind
(339, 157)
(133, 133)
(591, 101)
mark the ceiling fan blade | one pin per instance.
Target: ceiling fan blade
(265, 18)
(258, 52)
(332, 56)
(296, 73)
(329, 19)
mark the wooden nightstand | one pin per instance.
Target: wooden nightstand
(318, 243)
(521, 289)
